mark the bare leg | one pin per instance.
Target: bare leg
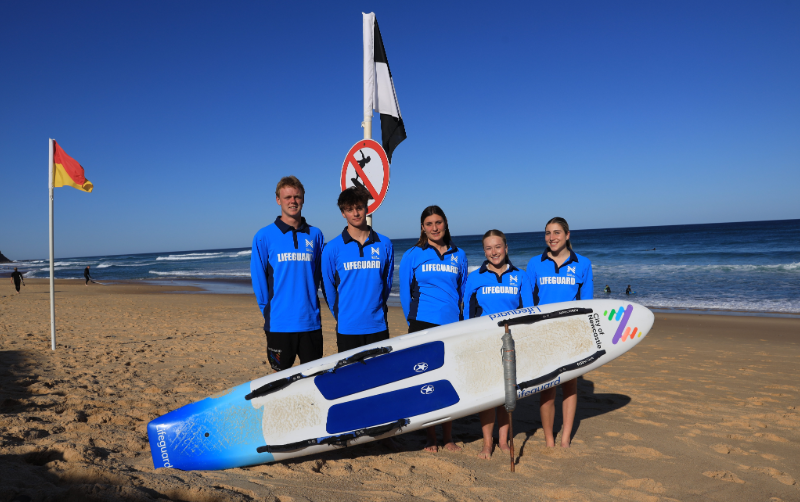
(432, 446)
(547, 410)
(570, 404)
(447, 437)
(502, 428)
(487, 425)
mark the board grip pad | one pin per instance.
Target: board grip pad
(391, 406)
(380, 370)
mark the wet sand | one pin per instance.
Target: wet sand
(705, 408)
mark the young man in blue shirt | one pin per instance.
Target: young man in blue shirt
(357, 268)
(285, 271)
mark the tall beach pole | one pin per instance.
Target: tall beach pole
(52, 253)
(369, 75)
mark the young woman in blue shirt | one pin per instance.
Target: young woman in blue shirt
(497, 286)
(559, 275)
(432, 277)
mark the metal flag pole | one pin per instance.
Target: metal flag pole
(510, 375)
(52, 253)
(369, 76)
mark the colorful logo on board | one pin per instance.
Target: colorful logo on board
(624, 332)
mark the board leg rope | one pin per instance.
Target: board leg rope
(510, 375)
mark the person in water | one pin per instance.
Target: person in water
(607, 289)
(285, 271)
(628, 291)
(432, 278)
(16, 278)
(498, 286)
(559, 275)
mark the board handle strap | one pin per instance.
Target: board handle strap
(532, 318)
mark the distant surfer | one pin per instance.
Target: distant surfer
(432, 278)
(628, 291)
(285, 272)
(559, 275)
(357, 269)
(607, 290)
(16, 278)
(497, 286)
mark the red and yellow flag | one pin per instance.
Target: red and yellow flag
(67, 171)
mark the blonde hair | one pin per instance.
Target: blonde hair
(289, 181)
(497, 233)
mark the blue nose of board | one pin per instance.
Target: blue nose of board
(215, 433)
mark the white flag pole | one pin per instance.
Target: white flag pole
(369, 78)
(52, 252)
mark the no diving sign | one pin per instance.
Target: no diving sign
(367, 166)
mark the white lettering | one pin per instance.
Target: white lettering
(356, 265)
(295, 257)
(437, 267)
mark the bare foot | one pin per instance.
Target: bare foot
(505, 447)
(432, 447)
(564, 445)
(486, 452)
(392, 445)
(451, 446)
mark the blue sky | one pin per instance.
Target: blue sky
(186, 114)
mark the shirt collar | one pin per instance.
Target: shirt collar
(485, 268)
(452, 249)
(283, 227)
(572, 256)
(373, 237)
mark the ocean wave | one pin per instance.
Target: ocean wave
(243, 253)
(473, 268)
(784, 306)
(657, 269)
(199, 273)
(72, 264)
(190, 256)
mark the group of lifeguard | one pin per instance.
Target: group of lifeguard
(290, 259)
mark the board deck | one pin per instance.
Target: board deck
(399, 385)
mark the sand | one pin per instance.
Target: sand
(705, 408)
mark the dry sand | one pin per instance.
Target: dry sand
(705, 408)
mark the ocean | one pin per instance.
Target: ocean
(749, 267)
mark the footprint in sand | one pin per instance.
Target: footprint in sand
(727, 450)
(775, 474)
(640, 452)
(724, 476)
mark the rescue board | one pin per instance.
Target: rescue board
(396, 386)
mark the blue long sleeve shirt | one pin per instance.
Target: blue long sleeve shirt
(356, 282)
(285, 271)
(554, 284)
(432, 284)
(488, 293)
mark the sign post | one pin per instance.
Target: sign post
(366, 166)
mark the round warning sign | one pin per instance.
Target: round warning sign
(367, 166)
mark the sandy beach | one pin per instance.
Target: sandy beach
(705, 408)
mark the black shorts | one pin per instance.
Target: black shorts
(414, 326)
(347, 342)
(283, 348)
